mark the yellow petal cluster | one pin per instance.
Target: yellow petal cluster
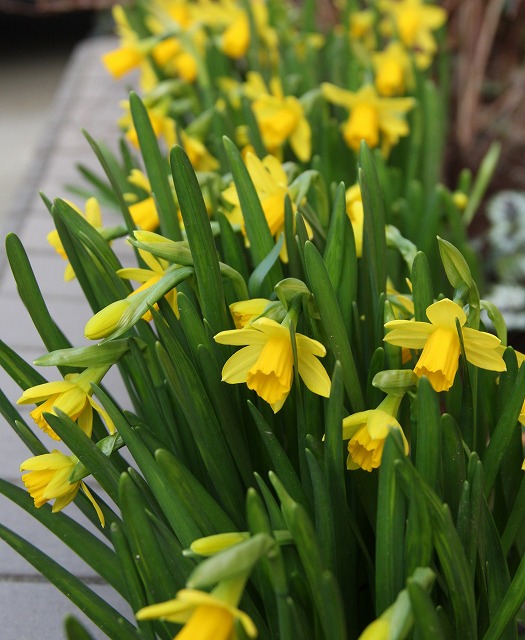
(266, 363)
(439, 340)
(72, 396)
(372, 118)
(47, 478)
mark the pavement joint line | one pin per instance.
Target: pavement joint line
(37, 578)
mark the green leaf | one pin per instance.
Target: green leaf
(156, 168)
(426, 620)
(96, 608)
(18, 369)
(93, 356)
(453, 460)
(482, 180)
(319, 284)
(280, 461)
(261, 271)
(324, 591)
(421, 286)
(511, 604)
(143, 542)
(200, 239)
(74, 629)
(31, 295)
(503, 431)
(257, 230)
(390, 528)
(428, 451)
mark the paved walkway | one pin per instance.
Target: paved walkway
(88, 99)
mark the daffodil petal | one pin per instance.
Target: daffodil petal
(314, 375)
(481, 350)
(408, 333)
(236, 368)
(444, 313)
(309, 344)
(238, 337)
(43, 391)
(352, 424)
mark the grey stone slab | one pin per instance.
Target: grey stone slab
(26, 526)
(30, 610)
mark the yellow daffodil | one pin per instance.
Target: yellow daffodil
(206, 616)
(244, 311)
(271, 183)
(210, 545)
(366, 432)
(48, 479)
(362, 27)
(130, 54)
(148, 277)
(92, 215)
(162, 124)
(105, 321)
(354, 210)
(143, 211)
(414, 21)
(372, 118)
(440, 343)
(280, 118)
(393, 70)
(236, 37)
(266, 363)
(72, 396)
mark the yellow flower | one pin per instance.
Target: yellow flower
(210, 545)
(354, 210)
(48, 479)
(280, 118)
(244, 311)
(367, 432)
(130, 54)
(266, 364)
(236, 38)
(163, 126)
(414, 22)
(206, 616)
(148, 277)
(371, 116)
(271, 183)
(143, 212)
(92, 215)
(105, 321)
(362, 27)
(72, 396)
(440, 343)
(393, 70)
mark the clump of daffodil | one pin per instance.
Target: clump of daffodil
(266, 363)
(271, 183)
(93, 215)
(280, 118)
(439, 340)
(414, 21)
(372, 118)
(148, 277)
(367, 431)
(393, 70)
(48, 479)
(205, 616)
(354, 210)
(72, 396)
